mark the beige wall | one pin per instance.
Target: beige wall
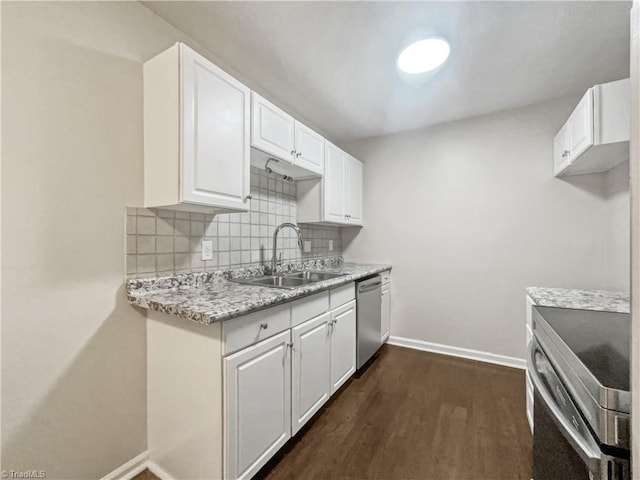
(73, 351)
(469, 214)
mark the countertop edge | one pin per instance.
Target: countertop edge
(597, 300)
(286, 296)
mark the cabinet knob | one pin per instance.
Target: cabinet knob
(264, 326)
(290, 345)
(298, 154)
(565, 153)
(293, 152)
(248, 197)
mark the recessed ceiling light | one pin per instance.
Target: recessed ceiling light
(422, 56)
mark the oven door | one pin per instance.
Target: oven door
(563, 446)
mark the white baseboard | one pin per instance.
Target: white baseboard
(130, 469)
(459, 352)
(158, 471)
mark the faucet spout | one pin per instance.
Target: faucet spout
(274, 258)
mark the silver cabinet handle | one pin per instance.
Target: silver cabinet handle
(298, 154)
(293, 152)
(248, 197)
(290, 345)
(565, 153)
(264, 326)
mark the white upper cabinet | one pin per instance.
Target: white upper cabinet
(299, 151)
(196, 134)
(272, 130)
(353, 193)
(595, 138)
(334, 184)
(309, 149)
(337, 197)
(561, 149)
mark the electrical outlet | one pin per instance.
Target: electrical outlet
(331, 245)
(307, 246)
(207, 249)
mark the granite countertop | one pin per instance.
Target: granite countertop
(600, 300)
(210, 297)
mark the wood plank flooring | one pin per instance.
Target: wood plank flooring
(415, 415)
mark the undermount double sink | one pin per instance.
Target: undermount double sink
(289, 280)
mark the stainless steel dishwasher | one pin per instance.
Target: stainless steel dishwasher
(369, 318)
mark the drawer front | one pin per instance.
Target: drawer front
(310, 307)
(244, 331)
(386, 277)
(341, 295)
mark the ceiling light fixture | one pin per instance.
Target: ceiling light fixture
(424, 55)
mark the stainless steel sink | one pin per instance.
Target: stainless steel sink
(278, 281)
(290, 280)
(313, 276)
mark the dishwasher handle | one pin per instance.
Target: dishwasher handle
(369, 286)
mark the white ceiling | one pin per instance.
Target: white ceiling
(332, 64)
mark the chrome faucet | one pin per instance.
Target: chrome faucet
(274, 259)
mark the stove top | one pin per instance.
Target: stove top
(600, 340)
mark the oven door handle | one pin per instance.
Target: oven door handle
(586, 448)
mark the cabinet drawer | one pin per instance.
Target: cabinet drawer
(386, 277)
(243, 331)
(341, 295)
(310, 307)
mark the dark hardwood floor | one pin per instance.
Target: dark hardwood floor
(415, 415)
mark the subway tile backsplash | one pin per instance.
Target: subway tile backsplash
(164, 242)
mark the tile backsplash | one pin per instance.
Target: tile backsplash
(164, 242)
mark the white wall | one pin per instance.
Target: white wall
(469, 214)
(73, 351)
(619, 216)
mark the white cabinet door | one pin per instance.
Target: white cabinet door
(215, 134)
(581, 126)
(257, 405)
(343, 344)
(561, 150)
(334, 184)
(353, 193)
(310, 370)
(272, 130)
(386, 312)
(309, 149)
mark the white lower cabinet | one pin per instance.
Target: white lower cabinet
(224, 398)
(310, 369)
(386, 313)
(258, 404)
(343, 344)
(385, 305)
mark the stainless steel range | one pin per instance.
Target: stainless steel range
(579, 364)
